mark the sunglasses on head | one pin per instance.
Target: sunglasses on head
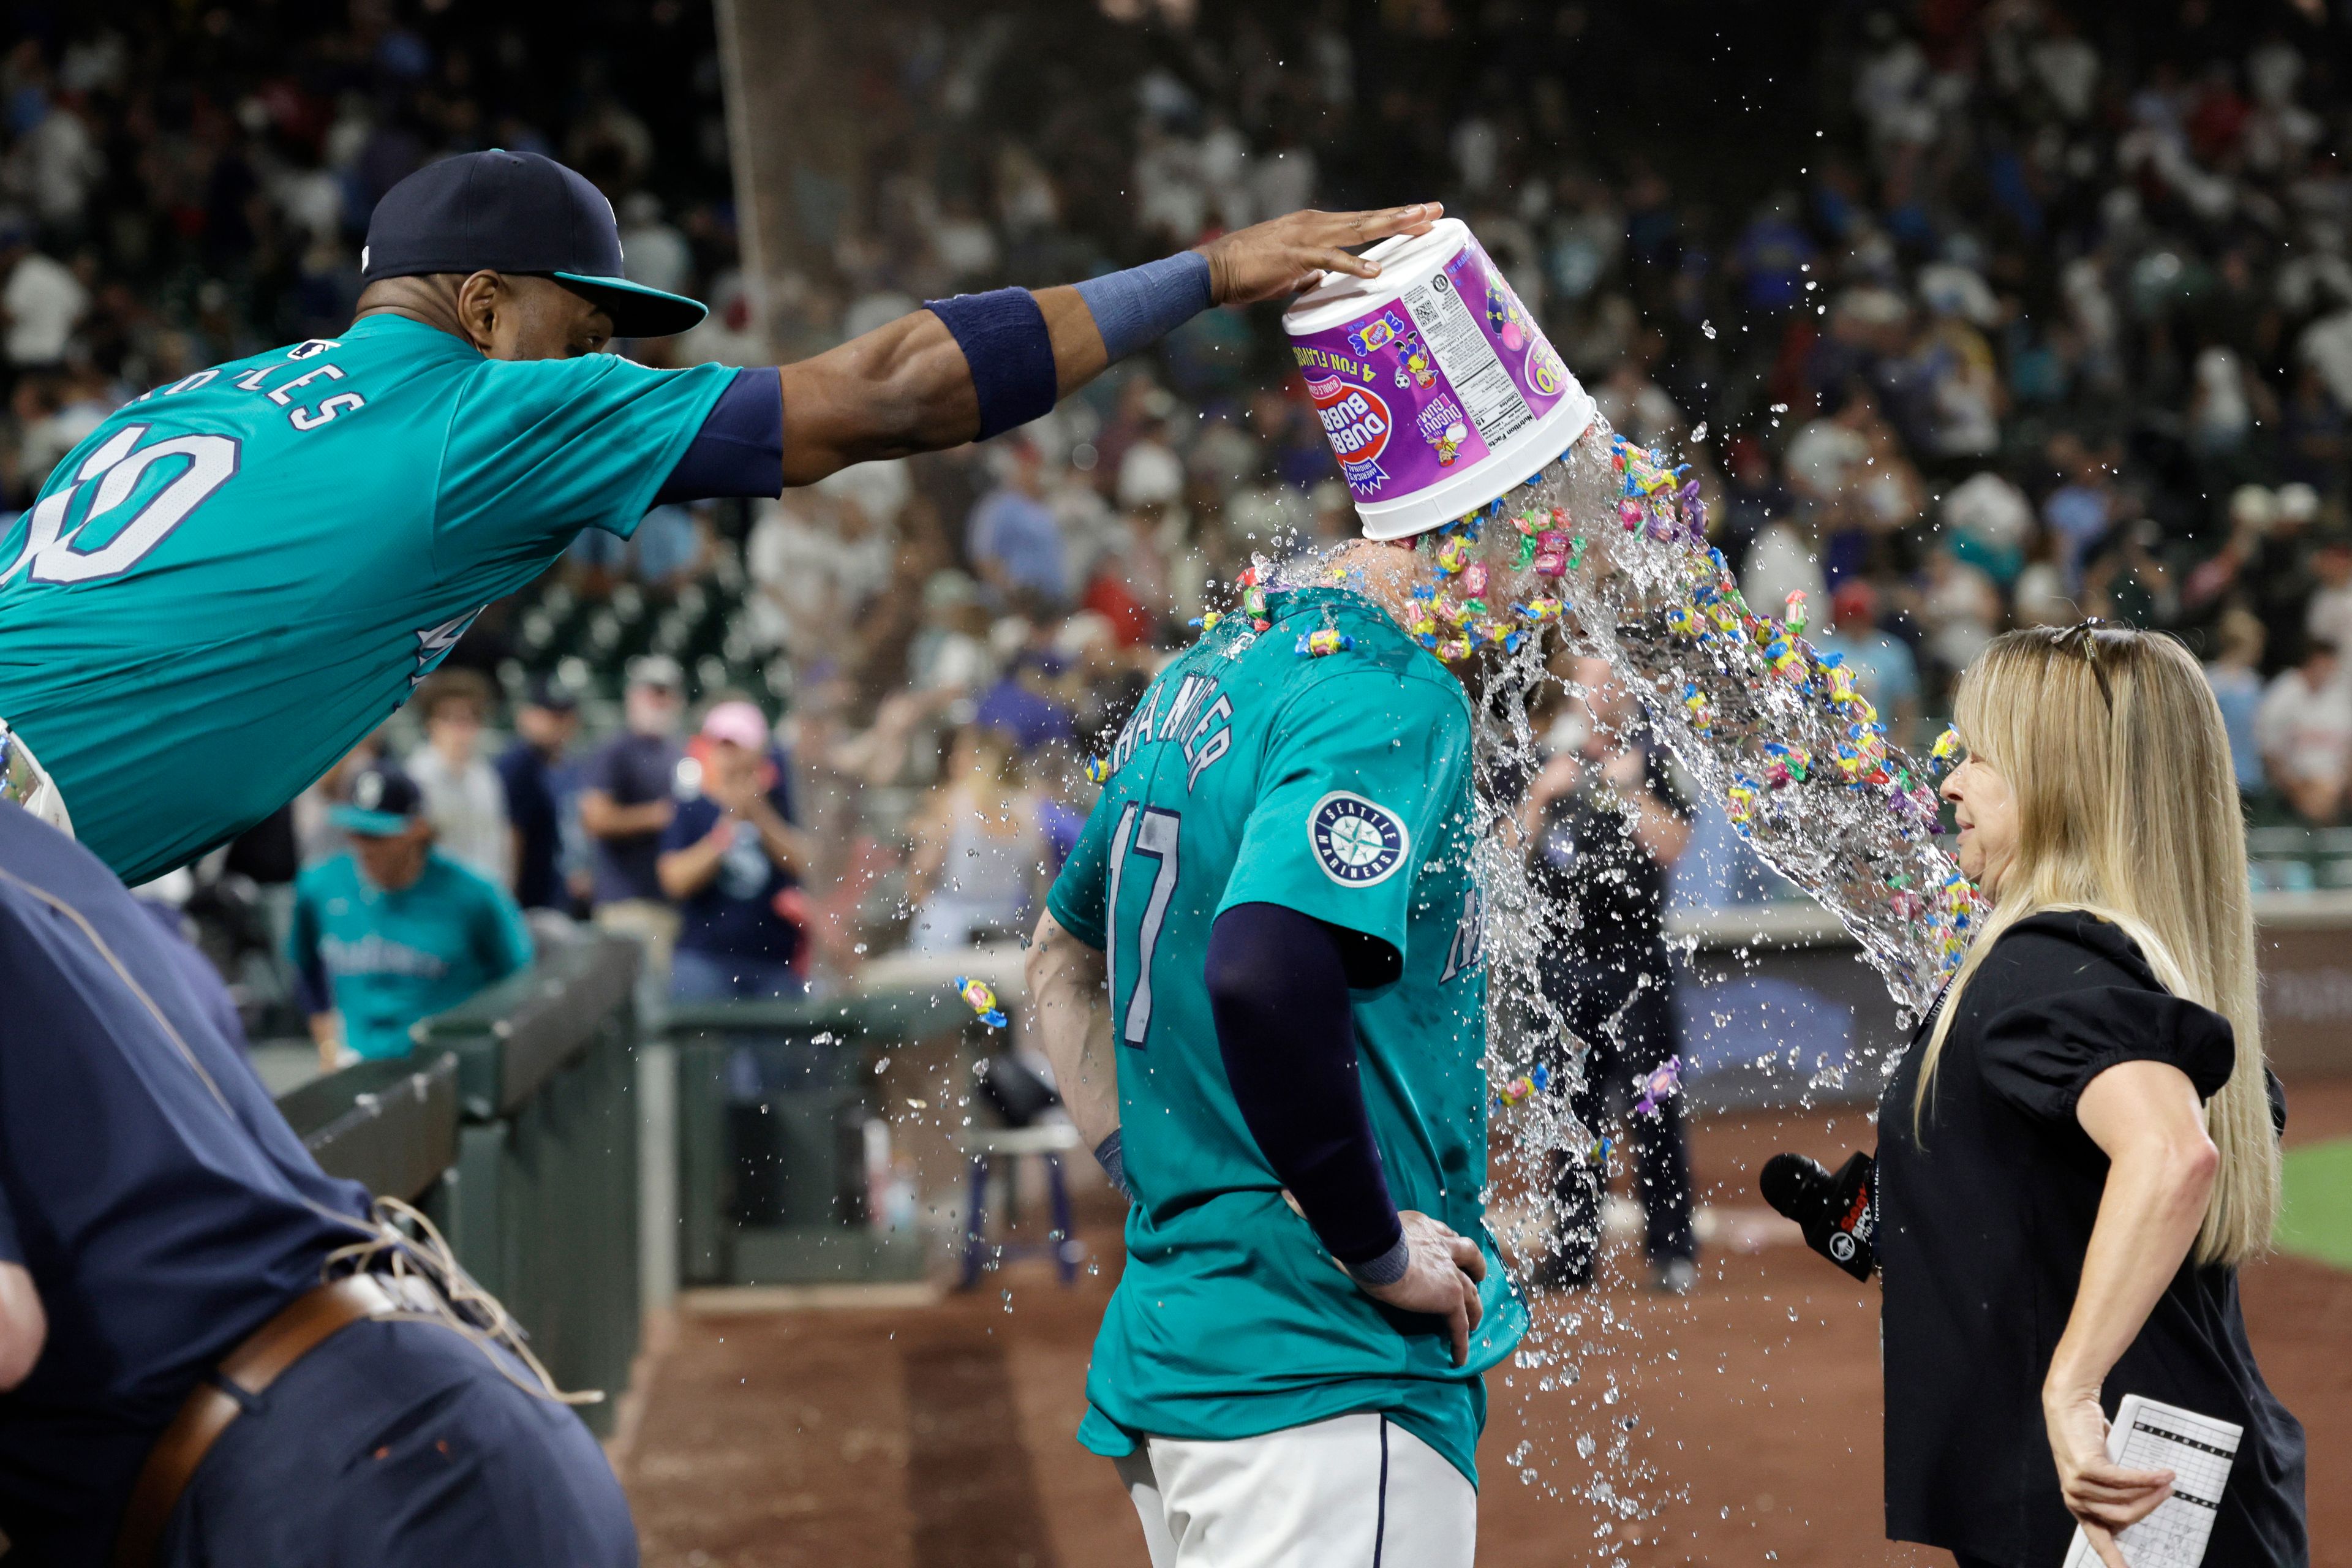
(2087, 636)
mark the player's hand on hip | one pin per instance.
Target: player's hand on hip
(2101, 1494)
(1278, 257)
(1440, 1278)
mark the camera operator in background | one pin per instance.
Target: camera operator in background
(1604, 819)
(731, 859)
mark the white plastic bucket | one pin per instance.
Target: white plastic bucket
(1437, 390)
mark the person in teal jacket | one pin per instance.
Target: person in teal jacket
(394, 931)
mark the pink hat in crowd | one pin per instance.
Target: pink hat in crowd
(740, 722)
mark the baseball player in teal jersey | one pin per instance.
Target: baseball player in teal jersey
(392, 931)
(1259, 979)
(237, 576)
(1336, 788)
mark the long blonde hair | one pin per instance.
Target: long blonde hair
(2126, 808)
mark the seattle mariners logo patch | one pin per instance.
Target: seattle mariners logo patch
(1357, 843)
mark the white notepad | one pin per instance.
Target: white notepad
(2150, 1435)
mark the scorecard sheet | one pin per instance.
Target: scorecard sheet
(2150, 1435)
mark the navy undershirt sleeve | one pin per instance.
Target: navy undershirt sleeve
(312, 992)
(1277, 986)
(739, 450)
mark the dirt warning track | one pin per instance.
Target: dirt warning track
(1737, 1424)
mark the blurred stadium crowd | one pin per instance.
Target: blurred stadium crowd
(2023, 313)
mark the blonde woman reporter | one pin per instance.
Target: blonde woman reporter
(2080, 1147)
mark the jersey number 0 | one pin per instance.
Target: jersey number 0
(52, 552)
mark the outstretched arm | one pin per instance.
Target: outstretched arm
(908, 387)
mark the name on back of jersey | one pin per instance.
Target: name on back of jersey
(129, 494)
(305, 410)
(1194, 716)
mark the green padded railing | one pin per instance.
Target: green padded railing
(542, 1206)
(391, 1126)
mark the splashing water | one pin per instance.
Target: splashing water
(1760, 719)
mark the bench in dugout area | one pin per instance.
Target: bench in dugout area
(513, 1127)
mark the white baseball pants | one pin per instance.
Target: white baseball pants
(1355, 1492)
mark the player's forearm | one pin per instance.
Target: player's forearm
(1277, 984)
(908, 387)
(972, 366)
(327, 1034)
(900, 389)
(1067, 1018)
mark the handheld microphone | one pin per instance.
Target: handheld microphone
(1835, 1211)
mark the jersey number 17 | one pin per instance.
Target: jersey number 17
(1154, 832)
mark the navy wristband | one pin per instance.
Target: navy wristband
(1137, 308)
(1004, 338)
(1114, 1163)
(1386, 1268)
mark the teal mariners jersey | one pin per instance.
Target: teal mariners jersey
(239, 576)
(1338, 786)
(389, 959)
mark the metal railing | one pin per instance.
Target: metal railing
(775, 1112)
(1786, 974)
(781, 1134)
(391, 1126)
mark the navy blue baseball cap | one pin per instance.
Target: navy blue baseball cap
(516, 212)
(384, 802)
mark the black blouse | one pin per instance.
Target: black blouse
(1984, 1220)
